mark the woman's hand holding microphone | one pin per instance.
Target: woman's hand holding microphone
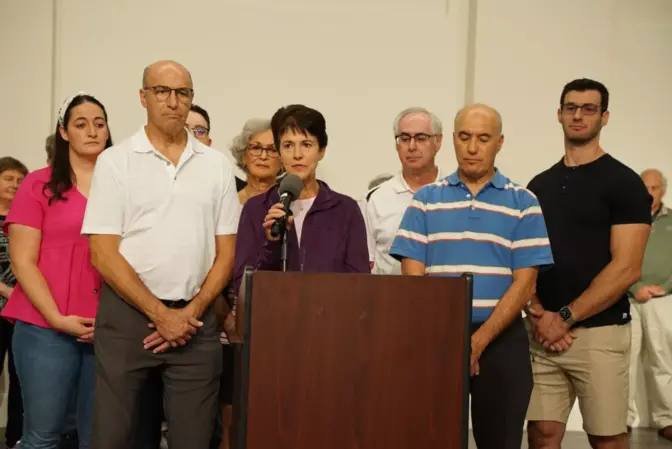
(275, 213)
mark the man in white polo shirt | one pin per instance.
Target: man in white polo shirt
(161, 219)
(418, 134)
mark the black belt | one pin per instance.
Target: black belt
(178, 304)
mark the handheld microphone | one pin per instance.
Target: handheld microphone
(289, 190)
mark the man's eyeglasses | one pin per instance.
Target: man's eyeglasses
(199, 131)
(586, 109)
(162, 93)
(257, 150)
(420, 138)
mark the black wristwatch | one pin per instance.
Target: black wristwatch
(567, 316)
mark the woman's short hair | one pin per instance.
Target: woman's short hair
(239, 145)
(9, 163)
(378, 180)
(300, 119)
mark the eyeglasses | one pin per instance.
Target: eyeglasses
(420, 138)
(257, 150)
(162, 93)
(199, 131)
(586, 109)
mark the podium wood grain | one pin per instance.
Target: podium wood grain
(334, 361)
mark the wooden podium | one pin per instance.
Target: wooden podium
(340, 361)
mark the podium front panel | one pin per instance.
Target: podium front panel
(335, 361)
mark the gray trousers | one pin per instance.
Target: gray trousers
(190, 374)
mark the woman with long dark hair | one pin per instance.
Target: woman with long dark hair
(55, 301)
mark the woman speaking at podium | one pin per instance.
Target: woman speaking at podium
(325, 229)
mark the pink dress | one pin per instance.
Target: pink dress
(64, 260)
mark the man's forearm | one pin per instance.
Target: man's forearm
(605, 290)
(534, 302)
(119, 274)
(508, 308)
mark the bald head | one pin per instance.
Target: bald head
(477, 138)
(656, 184)
(167, 93)
(655, 176)
(480, 112)
(154, 73)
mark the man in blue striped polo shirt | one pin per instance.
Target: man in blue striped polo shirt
(477, 221)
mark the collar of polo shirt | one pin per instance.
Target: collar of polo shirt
(143, 145)
(402, 186)
(662, 212)
(498, 181)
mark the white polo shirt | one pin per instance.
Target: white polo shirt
(167, 216)
(385, 207)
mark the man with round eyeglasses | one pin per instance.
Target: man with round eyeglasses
(418, 136)
(161, 219)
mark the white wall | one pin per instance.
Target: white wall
(358, 61)
(527, 50)
(354, 61)
(26, 40)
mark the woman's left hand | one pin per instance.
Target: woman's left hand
(87, 338)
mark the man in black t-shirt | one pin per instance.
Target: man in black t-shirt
(598, 215)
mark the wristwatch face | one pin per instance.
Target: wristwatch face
(565, 313)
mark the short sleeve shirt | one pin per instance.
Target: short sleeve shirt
(491, 235)
(64, 259)
(166, 215)
(581, 205)
(384, 209)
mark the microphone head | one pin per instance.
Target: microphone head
(292, 185)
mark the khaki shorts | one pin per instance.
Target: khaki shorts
(595, 369)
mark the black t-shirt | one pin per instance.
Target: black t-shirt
(580, 205)
(240, 184)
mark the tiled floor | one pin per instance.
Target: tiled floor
(639, 439)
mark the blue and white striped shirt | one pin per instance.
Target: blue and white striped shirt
(501, 230)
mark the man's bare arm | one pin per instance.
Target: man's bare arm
(219, 274)
(510, 305)
(212, 287)
(628, 243)
(119, 274)
(412, 267)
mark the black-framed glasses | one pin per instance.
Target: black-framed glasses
(420, 138)
(257, 150)
(199, 131)
(586, 109)
(162, 93)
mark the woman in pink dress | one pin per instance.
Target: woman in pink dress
(55, 301)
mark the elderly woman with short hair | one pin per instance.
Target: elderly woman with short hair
(255, 153)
